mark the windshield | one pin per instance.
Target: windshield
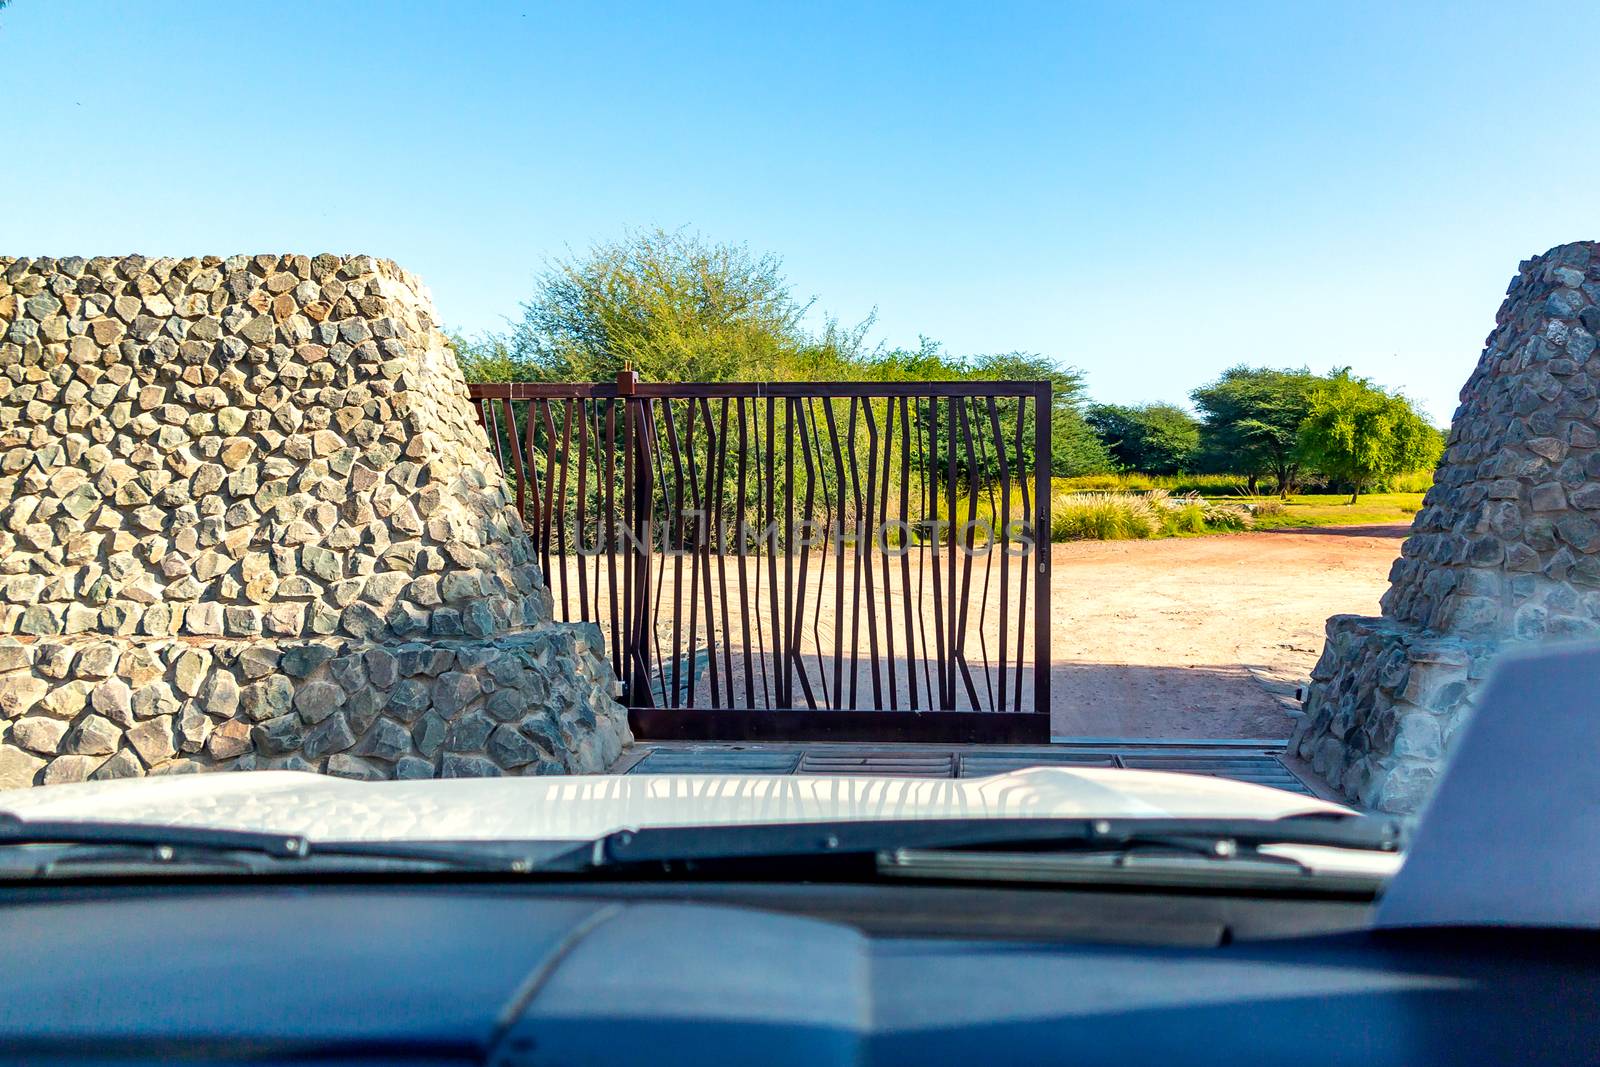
(1106, 477)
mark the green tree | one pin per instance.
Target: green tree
(490, 358)
(679, 308)
(1250, 422)
(1359, 434)
(1153, 438)
(1074, 447)
(673, 305)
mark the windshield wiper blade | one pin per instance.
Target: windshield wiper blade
(15, 831)
(108, 845)
(1249, 870)
(1215, 837)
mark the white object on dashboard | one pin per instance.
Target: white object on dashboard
(1512, 834)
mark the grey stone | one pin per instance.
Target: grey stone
(409, 699)
(93, 735)
(404, 620)
(544, 728)
(268, 698)
(343, 765)
(276, 737)
(39, 734)
(359, 620)
(388, 741)
(193, 729)
(97, 661)
(411, 768)
(509, 748)
(221, 696)
(469, 732)
(330, 735)
(429, 733)
(455, 765)
(123, 764)
(19, 693)
(18, 769)
(13, 655)
(382, 668)
(154, 739)
(315, 701)
(477, 620)
(65, 701)
(350, 672)
(429, 660)
(453, 691)
(507, 705)
(229, 739)
(301, 660)
(258, 661)
(149, 701)
(53, 660)
(362, 708)
(73, 768)
(42, 619)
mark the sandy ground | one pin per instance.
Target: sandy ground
(1161, 638)
(1173, 638)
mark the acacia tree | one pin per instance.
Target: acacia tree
(1250, 422)
(1153, 438)
(673, 305)
(1358, 434)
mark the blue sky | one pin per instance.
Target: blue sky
(1151, 192)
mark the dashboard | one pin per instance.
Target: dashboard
(525, 974)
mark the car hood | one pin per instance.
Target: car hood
(584, 807)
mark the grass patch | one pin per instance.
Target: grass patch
(1103, 517)
(1335, 509)
(1124, 516)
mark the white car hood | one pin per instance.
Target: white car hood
(579, 808)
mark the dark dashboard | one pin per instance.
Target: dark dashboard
(683, 973)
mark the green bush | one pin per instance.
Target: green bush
(1103, 517)
(1409, 482)
(1122, 516)
(1184, 517)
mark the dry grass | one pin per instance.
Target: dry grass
(1121, 516)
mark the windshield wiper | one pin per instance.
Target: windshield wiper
(101, 846)
(1220, 838)
(1210, 853)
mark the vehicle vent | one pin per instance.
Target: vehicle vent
(880, 764)
(982, 765)
(681, 761)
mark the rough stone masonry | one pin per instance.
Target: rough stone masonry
(248, 519)
(1505, 550)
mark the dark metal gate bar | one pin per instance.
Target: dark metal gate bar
(797, 561)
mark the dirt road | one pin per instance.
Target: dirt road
(1156, 638)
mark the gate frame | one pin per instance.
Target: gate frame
(799, 724)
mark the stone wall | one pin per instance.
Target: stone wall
(1506, 548)
(248, 519)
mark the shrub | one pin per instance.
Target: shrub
(1121, 516)
(1409, 482)
(1184, 517)
(1103, 517)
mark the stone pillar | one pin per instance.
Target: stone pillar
(1506, 548)
(248, 519)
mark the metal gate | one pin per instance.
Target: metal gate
(797, 561)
